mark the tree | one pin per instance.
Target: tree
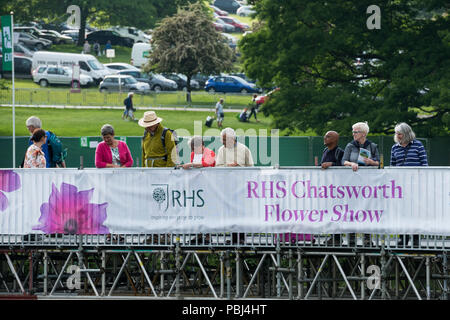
(187, 43)
(333, 70)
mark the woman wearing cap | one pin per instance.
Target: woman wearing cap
(112, 153)
(158, 144)
(35, 157)
(200, 155)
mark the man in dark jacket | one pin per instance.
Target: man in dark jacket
(128, 107)
(332, 154)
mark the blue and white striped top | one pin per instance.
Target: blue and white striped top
(416, 155)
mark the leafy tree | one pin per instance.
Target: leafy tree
(187, 43)
(334, 71)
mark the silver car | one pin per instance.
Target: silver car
(45, 75)
(122, 83)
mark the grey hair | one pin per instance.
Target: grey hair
(130, 93)
(229, 132)
(196, 141)
(363, 125)
(408, 133)
(107, 129)
(34, 121)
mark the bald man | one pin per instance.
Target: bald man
(332, 154)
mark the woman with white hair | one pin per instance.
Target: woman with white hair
(407, 151)
(360, 152)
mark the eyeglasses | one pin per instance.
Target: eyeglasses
(356, 131)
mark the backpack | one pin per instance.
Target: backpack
(57, 153)
(163, 139)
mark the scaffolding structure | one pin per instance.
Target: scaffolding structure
(222, 266)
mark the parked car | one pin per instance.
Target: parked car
(31, 41)
(132, 33)
(59, 38)
(218, 11)
(102, 36)
(245, 11)
(230, 84)
(119, 82)
(156, 82)
(226, 26)
(230, 6)
(231, 40)
(45, 75)
(118, 66)
(201, 79)
(241, 27)
(71, 33)
(243, 76)
(34, 31)
(217, 26)
(19, 50)
(181, 81)
(22, 67)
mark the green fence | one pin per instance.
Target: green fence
(293, 151)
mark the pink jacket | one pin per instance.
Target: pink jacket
(103, 155)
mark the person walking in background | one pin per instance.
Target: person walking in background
(219, 113)
(158, 144)
(407, 152)
(243, 116)
(35, 157)
(108, 45)
(96, 48)
(112, 153)
(254, 108)
(86, 47)
(128, 102)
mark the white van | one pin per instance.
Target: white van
(140, 54)
(88, 63)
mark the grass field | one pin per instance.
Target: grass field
(76, 122)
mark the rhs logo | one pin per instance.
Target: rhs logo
(165, 197)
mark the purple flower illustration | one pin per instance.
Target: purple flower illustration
(69, 211)
(9, 181)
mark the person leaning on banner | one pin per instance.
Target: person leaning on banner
(154, 153)
(407, 152)
(332, 154)
(35, 157)
(33, 123)
(112, 153)
(233, 154)
(200, 155)
(352, 158)
(353, 149)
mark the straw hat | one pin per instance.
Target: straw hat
(149, 119)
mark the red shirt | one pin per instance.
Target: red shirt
(208, 158)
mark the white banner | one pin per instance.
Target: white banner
(306, 200)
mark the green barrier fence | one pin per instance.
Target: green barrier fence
(293, 151)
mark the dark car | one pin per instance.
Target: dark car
(230, 6)
(181, 81)
(230, 84)
(103, 36)
(156, 81)
(201, 79)
(22, 68)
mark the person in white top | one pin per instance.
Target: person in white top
(233, 153)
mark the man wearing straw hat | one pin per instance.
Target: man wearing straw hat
(157, 151)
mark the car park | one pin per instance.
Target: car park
(88, 63)
(59, 38)
(181, 81)
(201, 79)
(72, 33)
(132, 33)
(22, 68)
(230, 6)
(20, 50)
(118, 66)
(45, 75)
(119, 82)
(245, 11)
(102, 36)
(32, 42)
(226, 26)
(156, 82)
(36, 33)
(230, 84)
(239, 26)
(218, 11)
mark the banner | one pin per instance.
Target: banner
(259, 200)
(7, 43)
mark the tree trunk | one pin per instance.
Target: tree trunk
(82, 31)
(188, 89)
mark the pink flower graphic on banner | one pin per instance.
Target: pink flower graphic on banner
(69, 211)
(9, 181)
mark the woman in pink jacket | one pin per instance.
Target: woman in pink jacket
(112, 153)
